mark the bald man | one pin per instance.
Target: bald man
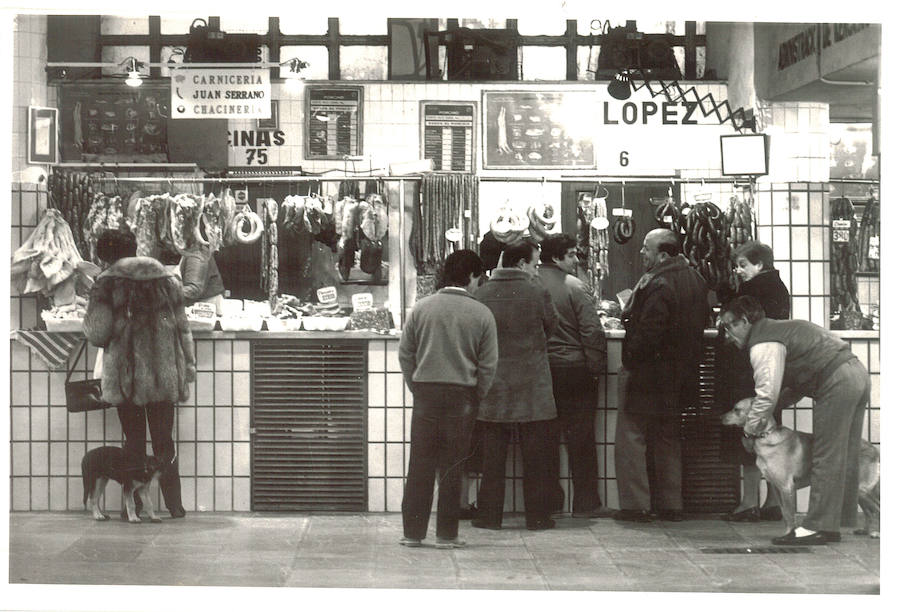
(664, 321)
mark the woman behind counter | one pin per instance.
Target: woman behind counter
(754, 263)
(200, 277)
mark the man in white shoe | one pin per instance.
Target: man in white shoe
(793, 359)
(448, 355)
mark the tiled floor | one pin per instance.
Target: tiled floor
(356, 551)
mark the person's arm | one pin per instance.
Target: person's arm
(550, 316)
(488, 356)
(590, 329)
(194, 272)
(98, 320)
(647, 336)
(406, 351)
(767, 359)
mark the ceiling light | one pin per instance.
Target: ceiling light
(134, 77)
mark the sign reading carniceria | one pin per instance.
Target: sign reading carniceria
(238, 93)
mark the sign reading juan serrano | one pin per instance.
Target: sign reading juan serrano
(225, 93)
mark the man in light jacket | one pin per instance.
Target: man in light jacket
(577, 354)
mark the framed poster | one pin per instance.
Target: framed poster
(333, 122)
(447, 135)
(538, 129)
(43, 125)
(110, 123)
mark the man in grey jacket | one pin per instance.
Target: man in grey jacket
(448, 355)
(577, 354)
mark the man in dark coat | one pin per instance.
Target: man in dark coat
(521, 395)
(664, 321)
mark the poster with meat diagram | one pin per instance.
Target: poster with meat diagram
(538, 129)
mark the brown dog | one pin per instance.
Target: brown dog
(99, 465)
(784, 457)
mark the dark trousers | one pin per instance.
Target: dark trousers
(575, 392)
(441, 429)
(838, 417)
(161, 418)
(535, 441)
(634, 433)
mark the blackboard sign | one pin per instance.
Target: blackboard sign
(114, 123)
(333, 122)
(447, 135)
(538, 129)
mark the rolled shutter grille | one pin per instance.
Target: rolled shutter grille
(309, 425)
(708, 484)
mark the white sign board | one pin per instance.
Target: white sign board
(221, 93)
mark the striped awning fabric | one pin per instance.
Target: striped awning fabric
(54, 348)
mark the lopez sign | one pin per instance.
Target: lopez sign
(239, 93)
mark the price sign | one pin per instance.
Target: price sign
(840, 230)
(362, 301)
(874, 248)
(447, 135)
(327, 295)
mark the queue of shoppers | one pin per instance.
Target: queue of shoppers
(522, 355)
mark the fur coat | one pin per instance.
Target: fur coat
(136, 314)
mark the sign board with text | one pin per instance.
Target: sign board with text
(227, 93)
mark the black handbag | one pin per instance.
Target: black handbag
(83, 395)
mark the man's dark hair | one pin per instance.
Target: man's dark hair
(518, 251)
(459, 268)
(745, 307)
(114, 244)
(756, 252)
(555, 246)
(669, 244)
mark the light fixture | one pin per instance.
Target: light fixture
(620, 87)
(134, 77)
(295, 66)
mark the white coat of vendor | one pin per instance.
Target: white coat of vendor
(200, 277)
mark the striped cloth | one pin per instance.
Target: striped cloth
(54, 348)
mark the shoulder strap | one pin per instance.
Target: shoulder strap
(75, 361)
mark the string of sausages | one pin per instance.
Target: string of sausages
(844, 294)
(445, 200)
(705, 243)
(869, 245)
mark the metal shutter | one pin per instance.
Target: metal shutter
(708, 484)
(308, 425)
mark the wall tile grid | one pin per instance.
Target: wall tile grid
(212, 433)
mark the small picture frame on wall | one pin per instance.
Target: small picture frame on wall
(272, 122)
(43, 130)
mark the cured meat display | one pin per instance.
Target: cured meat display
(49, 262)
(869, 243)
(448, 201)
(592, 240)
(706, 244)
(844, 230)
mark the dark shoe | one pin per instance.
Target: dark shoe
(673, 516)
(633, 516)
(468, 513)
(790, 539)
(831, 536)
(750, 515)
(541, 525)
(600, 511)
(177, 513)
(483, 524)
(770, 513)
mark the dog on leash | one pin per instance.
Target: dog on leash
(100, 465)
(784, 457)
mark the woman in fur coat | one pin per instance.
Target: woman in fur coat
(136, 314)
